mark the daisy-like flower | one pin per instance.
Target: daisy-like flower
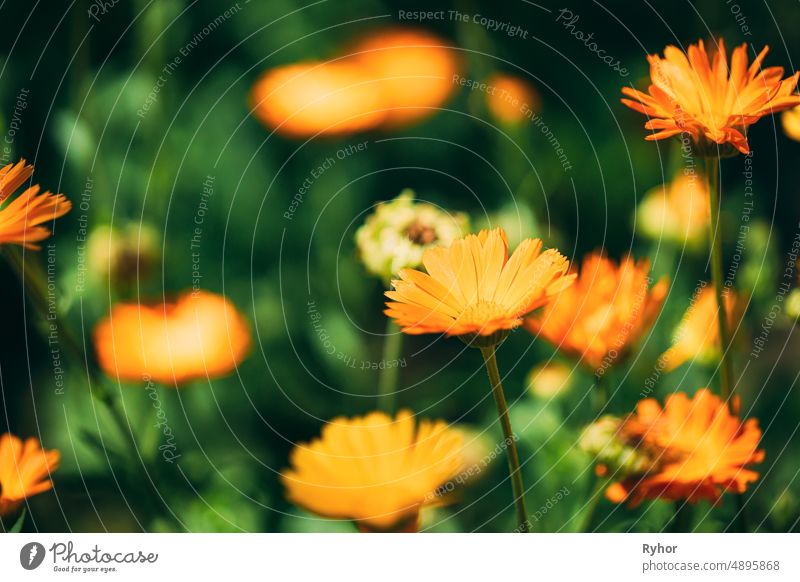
(374, 470)
(200, 335)
(697, 336)
(474, 290)
(25, 470)
(608, 309)
(705, 97)
(701, 449)
(678, 211)
(22, 219)
(398, 233)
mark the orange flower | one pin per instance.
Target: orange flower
(21, 219)
(474, 290)
(414, 70)
(609, 308)
(703, 97)
(313, 98)
(374, 470)
(389, 78)
(701, 450)
(697, 336)
(25, 469)
(511, 99)
(201, 335)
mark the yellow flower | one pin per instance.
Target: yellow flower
(678, 211)
(474, 290)
(702, 450)
(701, 95)
(21, 219)
(608, 309)
(25, 470)
(398, 233)
(550, 380)
(697, 336)
(374, 470)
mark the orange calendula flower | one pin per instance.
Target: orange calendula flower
(389, 78)
(511, 99)
(697, 336)
(25, 470)
(413, 69)
(701, 95)
(22, 219)
(201, 335)
(791, 123)
(313, 98)
(608, 309)
(374, 470)
(700, 450)
(474, 290)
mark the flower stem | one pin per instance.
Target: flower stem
(387, 381)
(715, 238)
(594, 501)
(490, 360)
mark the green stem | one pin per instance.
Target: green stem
(715, 238)
(387, 381)
(600, 393)
(594, 501)
(35, 286)
(490, 360)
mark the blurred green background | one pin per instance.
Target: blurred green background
(86, 81)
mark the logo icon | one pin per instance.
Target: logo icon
(31, 555)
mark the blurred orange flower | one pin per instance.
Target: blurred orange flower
(389, 78)
(306, 99)
(697, 336)
(607, 310)
(21, 219)
(474, 290)
(701, 450)
(511, 99)
(699, 94)
(25, 470)
(413, 68)
(201, 335)
(374, 470)
(791, 123)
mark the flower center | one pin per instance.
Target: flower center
(421, 234)
(482, 312)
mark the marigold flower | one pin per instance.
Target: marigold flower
(697, 336)
(374, 470)
(474, 290)
(678, 211)
(511, 99)
(311, 98)
(607, 310)
(413, 68)
(397, 234)
(699, 94)
(701, 448)
(603, 440)
(200, 335)
(21, 219)
(25, 470)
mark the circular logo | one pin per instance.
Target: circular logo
(31, 555)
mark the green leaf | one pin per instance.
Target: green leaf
(17, 527)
